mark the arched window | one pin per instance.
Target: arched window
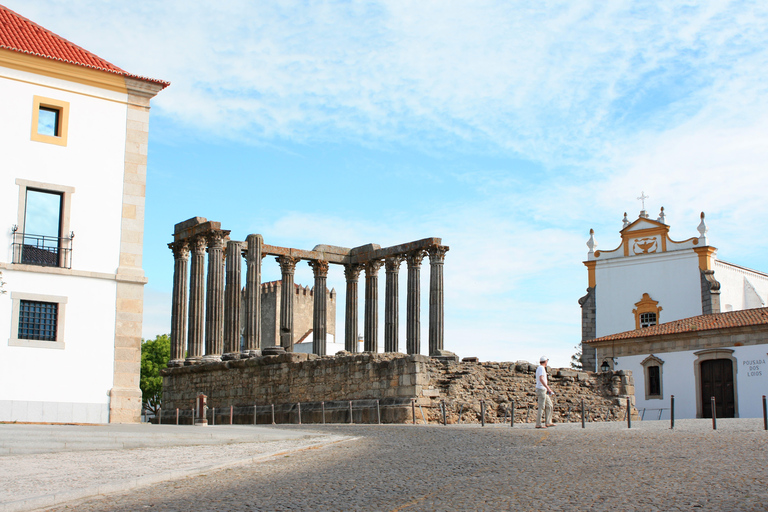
(652, 373)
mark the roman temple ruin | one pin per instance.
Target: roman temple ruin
(210, 314)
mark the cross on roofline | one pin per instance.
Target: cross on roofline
(642, 198)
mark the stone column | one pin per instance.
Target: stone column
(392, 265)
(436, 313)
(232, 301)
(413, 306)
(214, 299)
(319, 311)
(179, 306)
(287, 267)
(196, 324)
(352, 273)
(252, 320)
(371, 321)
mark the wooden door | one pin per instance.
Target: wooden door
(717, 381)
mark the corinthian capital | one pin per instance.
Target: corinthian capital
(287, 264)
(437, 254)
(392, 263)
(216, 238)
(372, 267)
(180, 249)
(319, 268)
(352, 272)
(198, 244)
(414, 258)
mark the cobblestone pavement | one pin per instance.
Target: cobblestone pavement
(405, 467)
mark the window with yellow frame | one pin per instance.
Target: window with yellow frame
(50, 119)
(647, 312)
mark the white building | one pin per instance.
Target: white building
(643, 296)
(73, 135)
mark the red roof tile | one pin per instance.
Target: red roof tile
(743, 318)
(19, 34)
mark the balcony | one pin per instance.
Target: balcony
(42, 250)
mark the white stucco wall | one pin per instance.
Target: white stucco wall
(671, 278)
(42, 384)
(678, 378)
(734, 295)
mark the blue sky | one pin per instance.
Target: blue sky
(509, 129)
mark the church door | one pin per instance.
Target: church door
(717, 381)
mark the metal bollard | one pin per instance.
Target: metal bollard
(350, 412)
(765, 415)
(527, 413)
(299, 404)
(442, 406)
(231, 413)
(322, 404)
(629, 412)
(461, 410)
(378, 412)
(160, 416)
(213, 417)
(177, 415)
(512, 422)
(193, 415)
(714, 414)
(413, 410)
(482, 412)
(273, 414)
(672, 411)
(254, 415)
(582, 413)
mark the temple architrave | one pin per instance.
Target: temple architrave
(207, 316)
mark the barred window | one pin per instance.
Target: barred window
(37, 320)
(647, 319)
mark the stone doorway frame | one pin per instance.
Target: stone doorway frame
(709, 355)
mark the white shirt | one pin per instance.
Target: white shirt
(541, 370)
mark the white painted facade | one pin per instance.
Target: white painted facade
(89, 372)
(650, 273)
(750, 382)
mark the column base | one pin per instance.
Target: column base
(175, 363)
(201, 423)
(211, 358)
(192, 360)
(272, 351)
(231, 356)
(444, 356)
(247, 354)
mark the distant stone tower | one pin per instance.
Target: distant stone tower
(302, 313)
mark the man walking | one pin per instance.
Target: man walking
(542, 393)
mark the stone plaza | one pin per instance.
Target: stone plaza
(605, 466)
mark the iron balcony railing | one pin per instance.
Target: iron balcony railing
(42, 250)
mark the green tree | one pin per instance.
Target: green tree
(154, 357)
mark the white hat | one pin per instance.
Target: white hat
(543, 358)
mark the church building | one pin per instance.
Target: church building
(73, 138)
(683, 321)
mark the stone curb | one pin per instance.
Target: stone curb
(49, 500)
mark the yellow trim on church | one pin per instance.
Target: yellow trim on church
(591, 271)
(646, 305)
(706, 256)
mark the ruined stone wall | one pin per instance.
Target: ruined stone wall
(463, 385)
(394, 379)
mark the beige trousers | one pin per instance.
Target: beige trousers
(545, 405)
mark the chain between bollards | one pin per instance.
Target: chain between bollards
(672, 411)
(714, 414)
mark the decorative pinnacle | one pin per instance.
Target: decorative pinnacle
(625, 220)
(662, 216)
(703, 229)
(591, 243)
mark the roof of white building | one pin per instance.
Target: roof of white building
(20, 34)
(742, 318)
